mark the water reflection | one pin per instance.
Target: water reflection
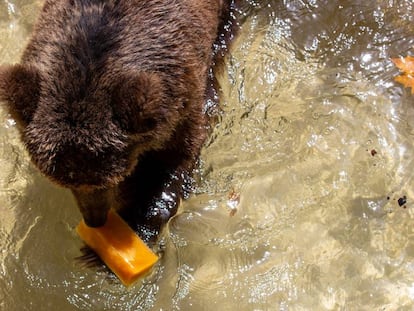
(297, 205)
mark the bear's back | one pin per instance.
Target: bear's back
(147, 35)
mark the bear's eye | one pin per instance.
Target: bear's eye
(148, 124)
(138, 126)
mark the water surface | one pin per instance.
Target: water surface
(297, 202)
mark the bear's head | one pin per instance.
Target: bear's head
(87, 132)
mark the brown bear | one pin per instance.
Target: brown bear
(109, 97)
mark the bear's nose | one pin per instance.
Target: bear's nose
(96, 219)
(94, 205)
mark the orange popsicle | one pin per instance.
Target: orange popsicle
(119, 247)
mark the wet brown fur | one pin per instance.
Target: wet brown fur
(108, 98)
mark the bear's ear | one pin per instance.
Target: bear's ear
(19, 90)
(137, 101)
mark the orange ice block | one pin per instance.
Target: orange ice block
(119, 247)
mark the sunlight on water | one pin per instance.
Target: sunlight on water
(297, 204)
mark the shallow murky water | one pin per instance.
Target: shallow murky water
(297, 205)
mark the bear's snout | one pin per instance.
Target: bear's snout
(94, 205)
(95, 220)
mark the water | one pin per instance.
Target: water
(297, 204)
